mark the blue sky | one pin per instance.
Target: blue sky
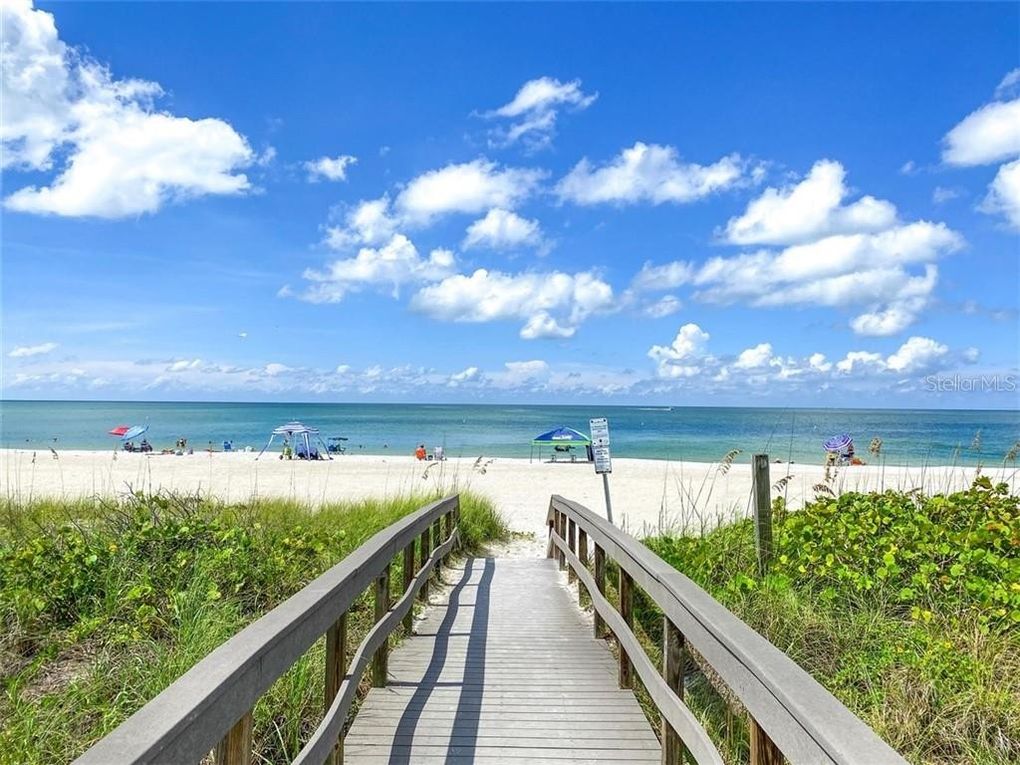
(688, 204)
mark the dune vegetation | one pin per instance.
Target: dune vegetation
(905, 607)
(103, 604)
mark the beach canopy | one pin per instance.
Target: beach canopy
(127, 432)
(561, 435)
(295, 429)
(838, 443)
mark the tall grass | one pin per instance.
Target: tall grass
(104, 603)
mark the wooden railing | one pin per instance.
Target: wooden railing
(792, 717)
(210, 706)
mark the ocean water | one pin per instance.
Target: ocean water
(910, 437)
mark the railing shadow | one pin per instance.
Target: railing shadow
(468, 714)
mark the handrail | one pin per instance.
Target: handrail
(322, 741)
(204, 707)
(791, 713)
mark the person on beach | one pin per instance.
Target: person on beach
(420, 452)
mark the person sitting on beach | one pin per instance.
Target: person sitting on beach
(420, 452)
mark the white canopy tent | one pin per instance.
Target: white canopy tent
(297, 429)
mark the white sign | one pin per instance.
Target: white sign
(599, 431)
(600, 444)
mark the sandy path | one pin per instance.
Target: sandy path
(647, 494)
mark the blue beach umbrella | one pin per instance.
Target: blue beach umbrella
(133, 432)
(838, 443)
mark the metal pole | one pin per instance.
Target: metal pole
(609, 502)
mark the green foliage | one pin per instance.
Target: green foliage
(903, 606)
(958, 555)
(103, 605)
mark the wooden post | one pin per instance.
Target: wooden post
(762, 512)
(673, 673)
(336, 669)
(561, 531)
(382, 606)
(582, 554)
(550, 551)
(627, 612)
(572, 543)
(437, 539)
(763, 749)
(235, 748)
(408, 579)
(448, 531)
(600, 583)
(423, 593)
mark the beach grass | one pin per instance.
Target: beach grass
(905, 607)
(105, 603)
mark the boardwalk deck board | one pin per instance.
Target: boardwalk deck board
(503, 670)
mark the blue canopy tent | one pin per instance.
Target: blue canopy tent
(301, 431)
(560, 439)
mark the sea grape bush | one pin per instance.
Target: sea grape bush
(956, 553)
(953, 556)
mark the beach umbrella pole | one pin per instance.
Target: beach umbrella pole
(266, 446)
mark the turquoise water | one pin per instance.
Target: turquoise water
(693, 433)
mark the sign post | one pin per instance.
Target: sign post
(600, 452)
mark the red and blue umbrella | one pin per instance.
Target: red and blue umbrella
(128, 432)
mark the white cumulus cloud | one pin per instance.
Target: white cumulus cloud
(330, 168)
(469, 187)
(1004, 194)
(809, 210)
(647, 173)
(551, 304)
(25, 351)
(855, 257)
(917, 353)
(394, 264)
(118, 155)
(754, 358)
(534, 110)
(990, 135)
(681, 357)
(503, 230)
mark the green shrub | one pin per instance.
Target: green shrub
(905, 607)
(958, 555)
(102, 605)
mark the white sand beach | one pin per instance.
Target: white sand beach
(647, 494)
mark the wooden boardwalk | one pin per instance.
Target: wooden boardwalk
(504, 670)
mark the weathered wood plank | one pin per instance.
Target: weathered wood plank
(235, 748)
(485, 679)
(336, 665)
